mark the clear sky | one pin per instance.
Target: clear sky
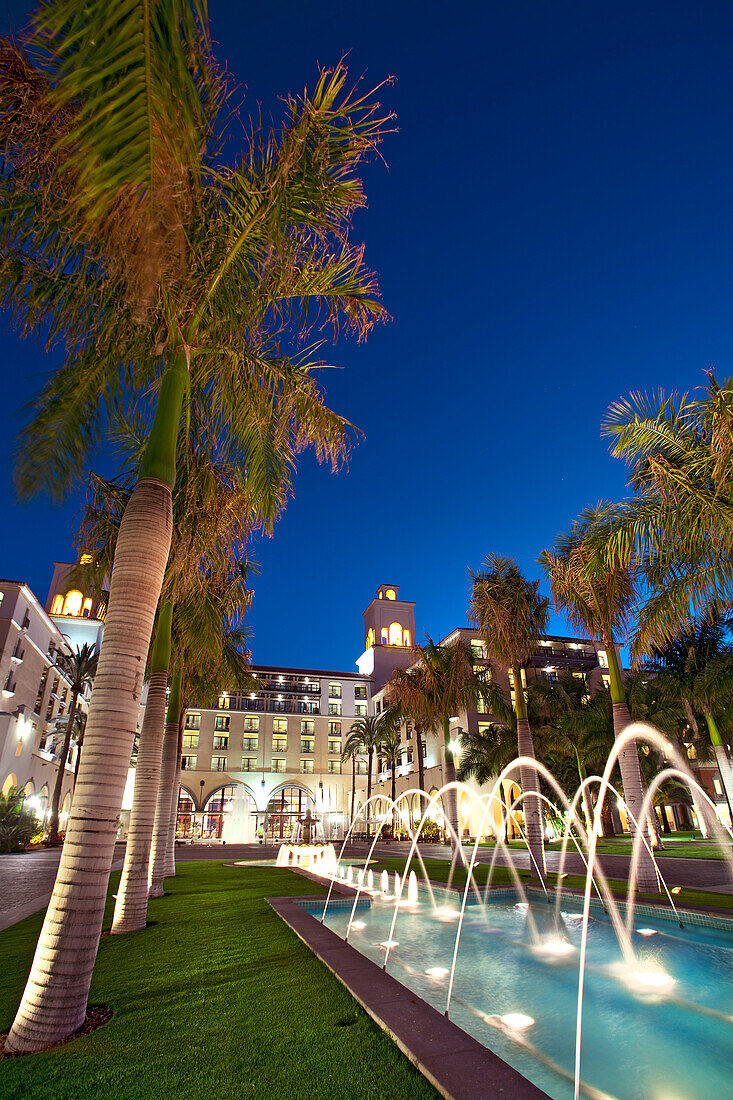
(553, 229)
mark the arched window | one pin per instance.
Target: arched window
(72, 603)
(57, 605)
(385, 636)
(370, 637)
(390, 594)
(406, 638)
(395, 634)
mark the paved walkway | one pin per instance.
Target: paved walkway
(26, 882)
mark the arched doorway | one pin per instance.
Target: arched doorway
(230, 814)
(186, 823)
(9, 783)
(286, 805)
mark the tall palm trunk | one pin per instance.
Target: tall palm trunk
(170, 857)
(353, 788)
(55, 998)
(630, 771)
(131, 909)
(53, 832)
(158, 860)
(587, 804)
(394, 797)
(420, 758)
(370, 763)
(721, 758)
(533, 819)
(450, 798)
(704, 814)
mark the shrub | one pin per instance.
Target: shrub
(17, 825)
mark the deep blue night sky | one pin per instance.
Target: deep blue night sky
(552, 231)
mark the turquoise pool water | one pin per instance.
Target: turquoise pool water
(673, 1045)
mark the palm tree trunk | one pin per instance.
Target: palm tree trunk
(170, 858)
(533, 817)
(55, 999)
(370, 761)
(450, 798)
(353, 788)
(394, 796)
(53, 832)
(157, 870)
(587, 804)
(702, 810)
(420, 758)
(131, 909)
(631, 780)
(721, 758)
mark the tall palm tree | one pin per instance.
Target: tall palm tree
(441, 683)
(677, 525)
(390, 750)
(418, 731)
(352, 748)
(698, 664)
(81, 668)
(158, 268)
(596, 598)
(510, 614)
(368, 733)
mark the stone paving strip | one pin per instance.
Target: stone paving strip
(455, 1063)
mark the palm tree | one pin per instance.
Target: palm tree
(157, 268)
(441, 683)
(677, 526)
(353, 747)
(81, 668)
(368, 733)
(597, 598)
(390, 749)
(698, 664)
(417, 729)
(510, 613)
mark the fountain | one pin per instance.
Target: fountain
(513, 965)
(239, 822)
(305, 849)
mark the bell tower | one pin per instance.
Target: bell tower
(389, 635)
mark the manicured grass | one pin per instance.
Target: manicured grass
(438, 870)
(675, 846)
(217, 999)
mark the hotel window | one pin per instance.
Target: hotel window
(221, 723)
(221, 741)
(86, 608)
(279, 725)
(306, 767)
(188, 763)
(190, 740)
(72, 603)
(379, 706)
(334, 691)
(279, 744)
(602, 658)
(360, 691)
(410, 757)
(278, 765)
(395, 634)
(249, 763)
(251, 724)
(218, 763)
(334, 744)
(334, 729)
(369, 638)
(307, 744)
(384, 635)
(193, 722)
(307, 727)
(477, 650)
(223, 703)
(41, 689)
(718, 788)
(360, 710)
(334, 708)
(361, 767)
(334, 767)
(249, 744)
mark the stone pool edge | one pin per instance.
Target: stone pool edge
(455, 1063)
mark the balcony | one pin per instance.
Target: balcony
(292, 687)
(562, 657)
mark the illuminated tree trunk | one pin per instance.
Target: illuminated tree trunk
(628, 760)
(533, 818)
(53, 832)
(161, 828)
(55, 999)
(131, 908)
(450, 798)
(170, 863)
(721, 758)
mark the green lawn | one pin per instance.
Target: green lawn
(675, 846)
(438, 870)
(218, 999)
